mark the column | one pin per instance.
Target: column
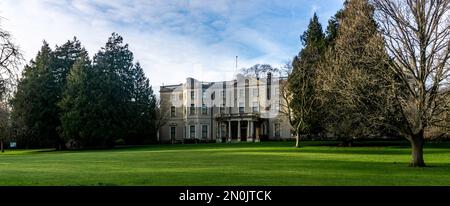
(239, 130)
(229, 131)
(252, 131)
(249, 131)
(219, 127)
(258, 132)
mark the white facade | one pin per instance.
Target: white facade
(244, 109)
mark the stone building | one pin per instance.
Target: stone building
(243, 109)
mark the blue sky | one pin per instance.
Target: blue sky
(172, 39)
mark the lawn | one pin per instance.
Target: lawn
(268, 163)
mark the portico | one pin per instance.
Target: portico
(238, 127)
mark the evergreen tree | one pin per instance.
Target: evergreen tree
(37, 114)
(76, 105)
(109, 102)
(33, 104)
(332, 29)
(142, 107)
(112, 87)
(301, 82)
(65, 57)
(353, 75)
(63, 96)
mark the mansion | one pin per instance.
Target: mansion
(243, 109)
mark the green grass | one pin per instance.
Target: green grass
(268, 163)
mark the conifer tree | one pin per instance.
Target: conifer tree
(33, 102)
(302, 79)
(35, 105)
(76, 105)
(352, 75)
(110, 101)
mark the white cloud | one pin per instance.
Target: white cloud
(171, 39)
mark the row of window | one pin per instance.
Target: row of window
(191, 110)
(255, 92)
(191, 132)
(204, 109)
(255, 108)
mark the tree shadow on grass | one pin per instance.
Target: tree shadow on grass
(322, 172)
(326, 147)
(370, 151)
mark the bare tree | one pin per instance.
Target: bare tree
(10, 60)
(286, 110)
(285, 103)
(417, 34)
(162, 112)
(259, 70)
(4, 124)
(299, 100)
(286, 69)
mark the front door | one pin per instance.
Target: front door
(234, 130)
(243, 133)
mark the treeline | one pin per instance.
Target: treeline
(65, 99)
(373, 73)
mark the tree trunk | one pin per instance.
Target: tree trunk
(297, 137)
(59, 145)
(417, 142)
(1, 143)
(346, 142)
(157, 135)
